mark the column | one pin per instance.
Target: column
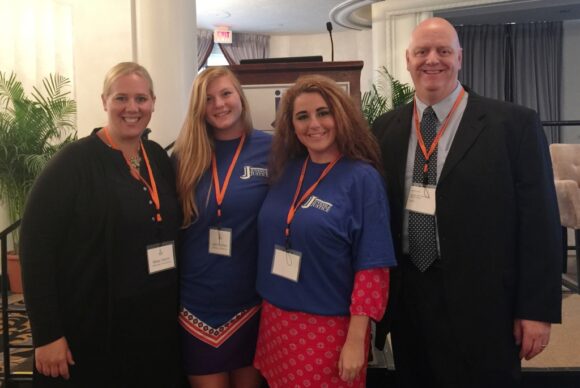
(391, 33)
(165, 42)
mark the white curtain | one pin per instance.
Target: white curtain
(246, 46)
(36, 39)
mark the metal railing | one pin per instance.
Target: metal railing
(7, 311)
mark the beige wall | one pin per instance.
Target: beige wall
(107, 32)
(102, 37)
(349, 45)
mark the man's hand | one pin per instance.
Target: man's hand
(532, 336)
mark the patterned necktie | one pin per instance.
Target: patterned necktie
(422, 232)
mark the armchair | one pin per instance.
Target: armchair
(566, 165)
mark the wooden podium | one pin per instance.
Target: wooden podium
(265, 83)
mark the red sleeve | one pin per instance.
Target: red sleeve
(370, 293)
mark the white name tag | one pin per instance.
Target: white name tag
(161, 257)
(220, 241)
(286, 263)
(421, 200)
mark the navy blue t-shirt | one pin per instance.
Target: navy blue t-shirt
(215, 286)
(342, 228)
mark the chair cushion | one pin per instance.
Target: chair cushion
(568, 203)
(566, 165)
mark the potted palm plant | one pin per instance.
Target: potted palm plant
(32, 129)
(374, 102)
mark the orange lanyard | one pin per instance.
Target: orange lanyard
(221, 192)
(427, 154)
(295, 202)
(135, 173)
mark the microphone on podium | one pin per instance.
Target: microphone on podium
(329, 28)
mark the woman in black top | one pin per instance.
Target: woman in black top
(99, 270)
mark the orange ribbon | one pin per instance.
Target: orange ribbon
(427, 154)
(295, 202)
(221, 192)
(137, 175)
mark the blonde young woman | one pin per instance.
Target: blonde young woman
(222, 180)
(101, 305)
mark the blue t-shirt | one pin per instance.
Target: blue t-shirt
(220, 286)
(342, 228)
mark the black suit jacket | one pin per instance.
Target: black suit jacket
(497, 218)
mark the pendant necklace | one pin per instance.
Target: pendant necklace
(135, 161)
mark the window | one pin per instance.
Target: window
(216, 58)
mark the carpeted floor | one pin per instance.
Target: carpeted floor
(19, 331)
(564, 348)
(562, 353)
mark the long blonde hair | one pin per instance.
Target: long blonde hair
(194, 145)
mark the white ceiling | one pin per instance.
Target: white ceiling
(310, 16)
(515, 11)
(266, 16)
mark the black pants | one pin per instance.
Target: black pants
(426, 350)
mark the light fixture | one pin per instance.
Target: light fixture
(345, 15)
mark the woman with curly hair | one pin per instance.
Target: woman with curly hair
(324, 241)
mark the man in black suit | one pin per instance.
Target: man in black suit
(476, 226)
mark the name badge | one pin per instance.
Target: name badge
(220, 241)
(161, 257)
(421, 200)
(286, 263)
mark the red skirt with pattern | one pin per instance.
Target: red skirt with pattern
(297, 349)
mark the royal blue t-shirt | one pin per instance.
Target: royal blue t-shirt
(342, 228)
(220, 286)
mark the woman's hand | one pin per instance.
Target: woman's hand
(352, 355)
(351, 360)
(54, 358)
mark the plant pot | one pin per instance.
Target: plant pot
(14, 275)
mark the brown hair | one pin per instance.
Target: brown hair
(194, 145)
(353, 136)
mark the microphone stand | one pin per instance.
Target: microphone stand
(329, 28)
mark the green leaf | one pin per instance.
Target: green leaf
(32, 129)
(374, 103)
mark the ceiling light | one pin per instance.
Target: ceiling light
(344, 14)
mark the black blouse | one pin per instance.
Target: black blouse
(83, 247)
